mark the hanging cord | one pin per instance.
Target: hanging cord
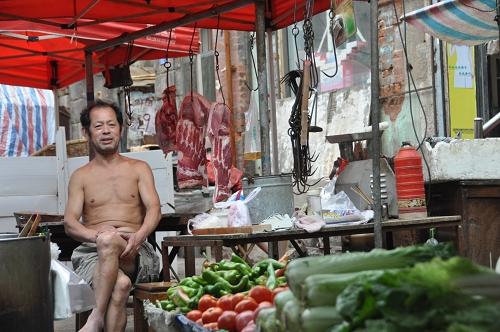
(331, 14)
(167, 63)
(252, 40)
(299, 135)
(191, 56)
(216, 54)
(126, 89)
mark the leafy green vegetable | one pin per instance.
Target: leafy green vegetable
(298, 270)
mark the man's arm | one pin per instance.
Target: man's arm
(74, 208)
(151, 202)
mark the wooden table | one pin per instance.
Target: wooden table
(216, 242)
(54, 223)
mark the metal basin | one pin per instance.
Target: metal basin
(276, 196)
(25, 284)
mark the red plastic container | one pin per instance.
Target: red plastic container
(410, 183)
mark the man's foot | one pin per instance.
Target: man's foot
(94, 324)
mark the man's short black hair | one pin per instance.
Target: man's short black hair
(85, 115)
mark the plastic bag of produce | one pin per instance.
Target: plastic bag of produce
(238, 215)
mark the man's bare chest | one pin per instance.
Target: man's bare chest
(111, 189)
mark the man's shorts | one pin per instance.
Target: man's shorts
(84, 260)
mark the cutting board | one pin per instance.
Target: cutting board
(232, 230)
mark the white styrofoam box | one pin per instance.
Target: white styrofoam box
(471, 159)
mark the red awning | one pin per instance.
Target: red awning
(29, 51)
(280, 13)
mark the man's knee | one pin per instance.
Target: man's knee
(109, 242)
(122, 288)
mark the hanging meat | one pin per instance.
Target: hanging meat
(166, 121)
(190, 137)
(219, 135)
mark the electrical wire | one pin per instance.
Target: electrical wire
(411, 81)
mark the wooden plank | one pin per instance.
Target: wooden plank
(18, 166)
(62, 170)
(222, 230)
(28, 184)
(154, 158)
(41, 204)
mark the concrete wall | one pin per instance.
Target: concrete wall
(397, 105)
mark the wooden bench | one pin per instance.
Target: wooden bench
(153, 291)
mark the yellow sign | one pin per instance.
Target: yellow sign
(461, 90)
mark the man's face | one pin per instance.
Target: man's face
(104, 132)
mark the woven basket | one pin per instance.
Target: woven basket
(74, 148)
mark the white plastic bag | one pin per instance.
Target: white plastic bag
(71, 293)
(252, 126)
(238, 215)
(205, 220)
(337, 207)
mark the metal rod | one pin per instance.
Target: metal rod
(89, 80)
(491, 124)
(167, 25)
(260, 33)
(272, 96)
(229, 87)
(375, 117)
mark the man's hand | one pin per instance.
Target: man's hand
(134, 242)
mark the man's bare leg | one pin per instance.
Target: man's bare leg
(116, 315)
(109, 247)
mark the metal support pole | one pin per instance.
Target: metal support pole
(229, 87)
(89, 77)
(260, 29)
(89, 81)
(274, 124)
(185, 20)
(375, 116)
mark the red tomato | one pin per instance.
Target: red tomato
(236, 299)
(261, 306)
(207, 301)
(242, 319)
(199, 322)
(211, 326)
(261, 293)
(227, 321)
(225, 302)
(211, 315)
(278, 290)
(194, 315)
(251, 327)
(246, 304)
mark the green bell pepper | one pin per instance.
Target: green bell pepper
(233, 276)
(237, 259)
(213, 278)
(271, 282)
(189, 282)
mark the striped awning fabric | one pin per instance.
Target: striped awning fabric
(27, 120)
(460, 22)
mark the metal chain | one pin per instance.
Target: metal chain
(191, 56)
(167, 63)
(252, 40)
(216, 54)
(331, 14)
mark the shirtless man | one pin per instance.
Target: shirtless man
(119, 206)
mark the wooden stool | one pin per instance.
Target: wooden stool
(152, 291)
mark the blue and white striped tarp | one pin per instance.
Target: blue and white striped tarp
(460, 22)
(27, 120)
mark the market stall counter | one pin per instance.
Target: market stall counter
(233, 241)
